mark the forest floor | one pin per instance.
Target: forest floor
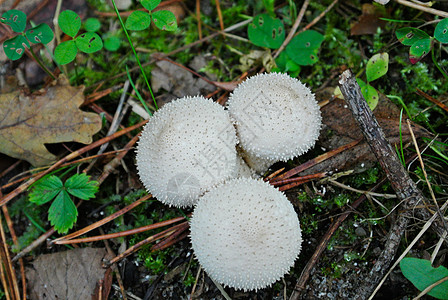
(67, 146)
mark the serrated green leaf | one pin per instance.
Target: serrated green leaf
(16, 19)
(69, 22)
(42, 33)
(45, 190)
(164, 20)
(62, 213)
(377, 66)
(150, 4)
(441, 31)
(304, 47)
(112, 43)
(369, 93)
(138, 20)
(65, 52)
(89, 42)
(419, 50)
(79, 186)
(409, 35)
(15, 47)
(266, 31)
(422, 274)
(92, 24)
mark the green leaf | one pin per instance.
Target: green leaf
(266, 31)
(441, 31)
(419, 50)
(42, 33)
(15, 47)
(92, 24)
(369, 93)
(409, 35)
(150, 4)
(79, 186)
(422, 274)
(286, 64)
(70, 22)
(164, 20)
(65, 52)
(45, 189)
(138, 20)
(112, 43)
(377, 66)
(89, 42)
(16, 19)
(62, 213)
(304, 47)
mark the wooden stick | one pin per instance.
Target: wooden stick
(399, 179)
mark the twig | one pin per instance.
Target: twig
(314, 161)
(34, 244)
(423, 8)
(71, 156)
(198, 18)
(16, 243)
(101, 222)
(7, 263)
(399, 179)
(119, 234)
(293, 29)
(429, 288)
(414, 241)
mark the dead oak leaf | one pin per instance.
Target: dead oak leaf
(70, 275)
(28, 122)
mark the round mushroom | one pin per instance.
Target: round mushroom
(245, 234)
(187, 147)
(277, 117)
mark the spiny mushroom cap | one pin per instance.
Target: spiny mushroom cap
(277, 117)
(187, 147)
(245, 234)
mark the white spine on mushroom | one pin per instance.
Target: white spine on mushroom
(245, 234)
(277, 117)
(187, 147)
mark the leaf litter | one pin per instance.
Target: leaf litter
(52, 115)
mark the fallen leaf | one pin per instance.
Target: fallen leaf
(68, 275)
(369, 21)
(28, 122)
(177, 81)
(340, 128)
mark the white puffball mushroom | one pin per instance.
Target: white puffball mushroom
(187, 147)
(245, 234)
(277, 117)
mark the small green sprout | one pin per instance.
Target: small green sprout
(88, 42)
(63, 213)
(140, 20)
(15, 47)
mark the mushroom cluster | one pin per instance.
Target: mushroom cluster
(244, 232)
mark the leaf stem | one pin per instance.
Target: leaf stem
(135, 53)
(41, 64)
(437, 65)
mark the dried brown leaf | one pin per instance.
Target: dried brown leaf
(369, 21)
(28, 122)
(68, 275)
